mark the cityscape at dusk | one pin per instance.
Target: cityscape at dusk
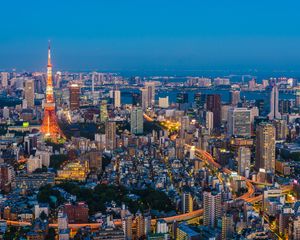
(155, 120)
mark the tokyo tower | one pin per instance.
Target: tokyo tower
(50, 128)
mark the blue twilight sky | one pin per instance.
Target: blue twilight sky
(151, 34)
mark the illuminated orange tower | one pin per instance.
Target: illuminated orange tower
(50, 128)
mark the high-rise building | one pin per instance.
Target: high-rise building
(145, 98)
(110, 135)
(227, 226)
(29, 92)
(281, 129)
(136, 99)
(294, 229)
(4, 79)
(127, 227)
(187, 202)
(274, 108)
(103, 111)
(213, 104)
(117, 98)
(200, 100)
(212, 206)
(265, 147)
(151, 92)
(182, 100)
(184, 125)
(239, 122)
(74, 98)
(209, 121)
(234, 97)
(163, 102)
(140, 225)
(244, 157)
(50, 128)
(136, 121)
(285, 106)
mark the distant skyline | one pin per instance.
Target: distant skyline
(156, 35)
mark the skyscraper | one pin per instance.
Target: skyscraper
(212, 207)
(244, 157)
(151, 92)
(145, 98)
(117, 98)
(234, 97)
(29, 93)
(265, 147)
(50, 128)
(274, 99)
(239, 122)
(213, 104)
(74, 97)
(110, 135)
(136, 120)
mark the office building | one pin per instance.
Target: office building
(212, 206)
(274, 107)
(110, 135)
(74, 98)
(213, 104)
(136, 121)
(239, 122)
(150, 86)
(265, 147)
(29, 93)
(244, 158)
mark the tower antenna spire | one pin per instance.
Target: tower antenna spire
(49, 53)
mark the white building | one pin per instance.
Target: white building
(163, 102)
